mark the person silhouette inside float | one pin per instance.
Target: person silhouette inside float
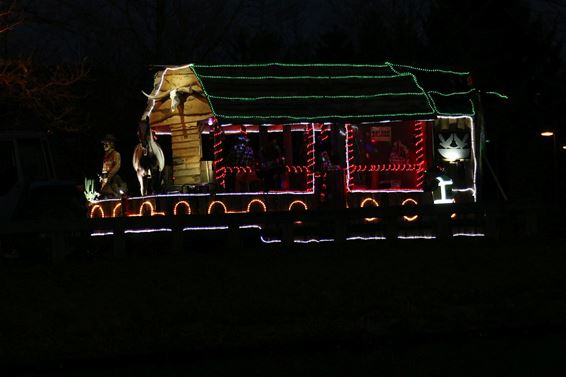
(271, 166)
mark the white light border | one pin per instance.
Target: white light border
(474, 156)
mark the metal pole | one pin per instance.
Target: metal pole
(554, 168)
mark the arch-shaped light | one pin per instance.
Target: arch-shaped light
(372, 203)
(98, 209)
(259, 201)
(413, 202)
(115, 210)
(214, 203)
(182, 203)
(298, 203)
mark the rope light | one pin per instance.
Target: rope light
(297, 203)
(310, 136)
(261, 65)
(306, 77)
(219, 169)
(503, 96)
(428, 97)
(397, 74)
(152, 212)
(214, 203)
(360, 168)
(324, 116)
(238, 169)
(182, 203)
(414, 202)
(428, 70)
(420, 152)
(330, 65)
(349, 157)
(440, 113)
(116, 208)
(297, 169)
(366, 96)
(98, 209)
(374, 203)
(451, 94)
(261, 203)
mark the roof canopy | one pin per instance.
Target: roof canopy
(288, 93)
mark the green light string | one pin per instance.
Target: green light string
(503, 96)
(202, 86)
(433, 103)
(329, 65)
(299, 118)
(367, 96)
(451, 94)
(473, 107)
(302, 77)
(318, 65)
(428, 97)
(205, 92)
(434, 70)
(393, 69)
(430, 101)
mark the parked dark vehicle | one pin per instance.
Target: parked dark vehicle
(30, 191)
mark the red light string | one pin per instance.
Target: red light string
(383, 168)
(219, 169)
(324, 133)
(350, 154)
(420, 152)
(310, 157)
(297, 169)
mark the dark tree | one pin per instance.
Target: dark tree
(510, 50)
(34, 95)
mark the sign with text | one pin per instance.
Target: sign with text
(381, 133)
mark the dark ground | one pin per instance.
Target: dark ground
(463, 307)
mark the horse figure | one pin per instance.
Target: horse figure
(148, 160)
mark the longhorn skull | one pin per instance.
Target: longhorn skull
(175, 95)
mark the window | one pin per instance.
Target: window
(386, 156)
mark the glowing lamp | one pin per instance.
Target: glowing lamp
(452, 155)
(547, 133)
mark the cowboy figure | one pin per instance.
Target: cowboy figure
(112, 186)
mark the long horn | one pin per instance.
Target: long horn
(156, 96)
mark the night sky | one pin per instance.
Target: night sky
(512, 47)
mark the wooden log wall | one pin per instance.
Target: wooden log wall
(187, 153)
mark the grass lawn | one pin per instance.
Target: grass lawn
(219, 300)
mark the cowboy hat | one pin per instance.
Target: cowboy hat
(109, 138)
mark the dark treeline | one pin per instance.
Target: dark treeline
(110, 49)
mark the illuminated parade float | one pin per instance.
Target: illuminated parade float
(285, 137)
